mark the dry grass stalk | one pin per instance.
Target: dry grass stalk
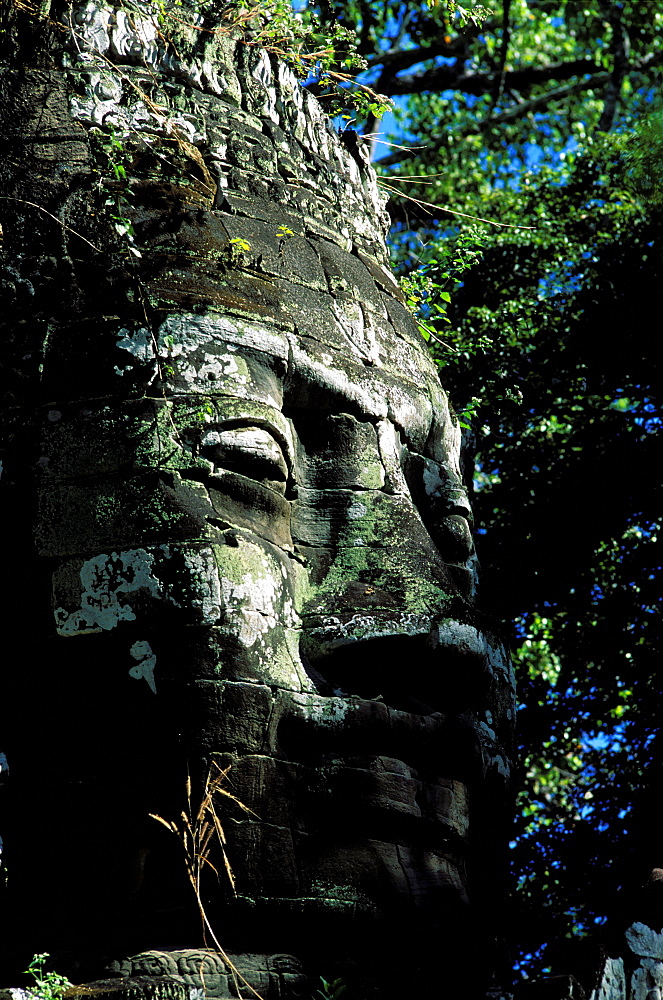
(197, 833)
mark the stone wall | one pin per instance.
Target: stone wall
(639, 974)
(239, 532)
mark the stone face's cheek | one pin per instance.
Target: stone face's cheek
(262, 591)
(137, 585)
(354, 516)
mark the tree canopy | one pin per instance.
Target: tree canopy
(543, 118)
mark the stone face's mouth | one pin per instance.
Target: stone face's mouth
(405, 659)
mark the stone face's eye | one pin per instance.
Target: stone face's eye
(250, 451)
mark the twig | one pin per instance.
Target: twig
(196, 834)
(452, 211)
(23, 201)
(498, 89)
(620, 49)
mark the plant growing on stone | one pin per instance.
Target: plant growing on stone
(47, 985)
(238, 248)
(113, 158)
(312, 47)
(198, 831)
(428, 286)
(330, 989)
(428, 290)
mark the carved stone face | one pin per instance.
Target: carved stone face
(252, 516)
(281, 551)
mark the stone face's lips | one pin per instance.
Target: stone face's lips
(315, 728)
(429, 648)
(334, 631)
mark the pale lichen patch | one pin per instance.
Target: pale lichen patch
(107, 582)
(131, 584)
(146, 660)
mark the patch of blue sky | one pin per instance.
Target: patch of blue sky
(650, 423)
(391, 129)
(560, 283)
(520, 628)
(526, 961)
(611, 741)
(426, 64)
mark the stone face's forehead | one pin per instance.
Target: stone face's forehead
(226, 356)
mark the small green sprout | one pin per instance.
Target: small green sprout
(48, 985)
(238, 249)
(331, 990)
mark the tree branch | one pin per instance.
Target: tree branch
(520, 110)
(396, 60)
(620, 49)
(540, 101)
(498, 87)
(512, 114)
(453, 78)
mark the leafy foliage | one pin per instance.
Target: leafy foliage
(330, 989)
(545, 115)
(47, 985)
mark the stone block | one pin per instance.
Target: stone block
(134, 987)
(645, 942)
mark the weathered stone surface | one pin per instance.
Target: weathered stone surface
(133, 987)
(645, 942)
(242, 534)
(275, 977)
(612, 983)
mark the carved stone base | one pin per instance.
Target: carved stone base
(274, 977)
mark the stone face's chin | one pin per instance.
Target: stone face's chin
(371, 796)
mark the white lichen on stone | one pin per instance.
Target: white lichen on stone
(146, 660)
(333, 632)
(356, 510)
(137, 342)
(121, 586)
(645, 942)
(330, 712)
(107, 582)
(202, 585)
(647, 981)
(613, 981)
(487, 731)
